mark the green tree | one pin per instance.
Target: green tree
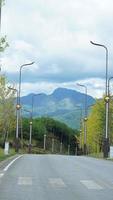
(3, 44)
(50, 127)
(7, 109)
(3, 41)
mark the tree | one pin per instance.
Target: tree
(3, 42)
(50, 127)
(7, 109)
(96, 126)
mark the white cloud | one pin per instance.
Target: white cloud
(96, 88)
(22, 46)
(56, 34)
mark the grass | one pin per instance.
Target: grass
(99, 155)
(3, 156)
(96, 155)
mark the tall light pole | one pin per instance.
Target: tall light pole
(109, 84)
(85, 118)
(109, 104)
(106, 139)
(68, 149)
(17, 118)
(1, 4)
(81, 120)
(0, 15)
(30, 132)
(20, 75)
(44, 145)
(53, 141)
(44, 142)
(19, 91)
(61, 140)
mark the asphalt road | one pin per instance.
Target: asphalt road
(55, 177)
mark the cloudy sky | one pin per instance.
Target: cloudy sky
(56, 35)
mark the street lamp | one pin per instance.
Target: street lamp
(61, 147)
(20, 75)
(17, 119)
(19, 91)
(109, 84)
(109, 103)
(52, 145)
(53, 141)
(106, 139)
(68, 149)
(30, 133)
(44, 142)
(85, 119)
(81, 120)
(32, 119)
(61, 140)
(30, 137)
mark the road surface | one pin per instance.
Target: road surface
(56, 177)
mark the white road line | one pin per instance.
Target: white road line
(92, 185)
(7, 167)
(57, 182)
(105, 184)
(24, 181)
(1, 175)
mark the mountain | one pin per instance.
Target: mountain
(63, 104)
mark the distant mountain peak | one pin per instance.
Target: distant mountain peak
(61, 104)
(60, 89)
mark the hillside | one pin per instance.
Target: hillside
(63, 104)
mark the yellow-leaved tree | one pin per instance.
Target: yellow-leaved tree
(96, 126)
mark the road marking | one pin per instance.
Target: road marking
(92, 185)
(1, 175)
(7, 167)
(57, 182)
(105, 184)
(24, 181)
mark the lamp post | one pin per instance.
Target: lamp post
(52, 145)
(0, 15)
(106, 138)
(30, 137)
(61, 140)
(17, 120)
(44, 146)
(109, 84)
(19, 91)
(85, 119)
(44, 142)
(109, 104)
(61, 148)
(80, 138)
(30, 132)
(68, 149)
(20, 75)
(81, 121)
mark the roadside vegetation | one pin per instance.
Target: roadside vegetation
(96, 127)
(52, 129)
(41, 126)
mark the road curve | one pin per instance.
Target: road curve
(56, 177)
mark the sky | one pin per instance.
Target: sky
(56, 35)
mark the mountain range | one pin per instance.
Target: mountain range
(63, 104)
